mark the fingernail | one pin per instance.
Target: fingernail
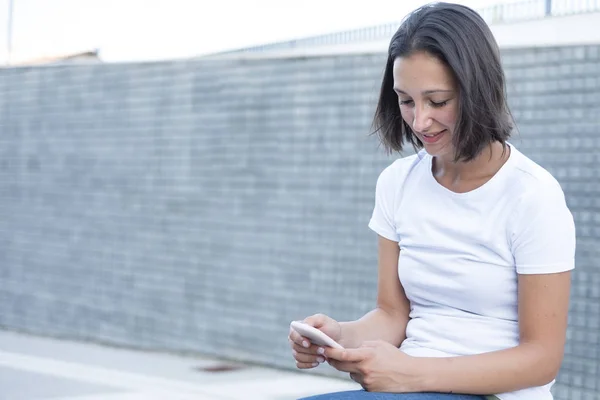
(305, 344)
(320, 359)
(315, 364)
(321, 350)
(294, 352)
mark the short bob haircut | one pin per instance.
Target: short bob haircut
(459, 38)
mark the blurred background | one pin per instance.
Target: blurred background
(188, 177)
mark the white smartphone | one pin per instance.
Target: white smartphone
(314, 335)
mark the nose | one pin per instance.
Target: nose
(421, 120)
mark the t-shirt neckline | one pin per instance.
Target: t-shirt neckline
(481, 189)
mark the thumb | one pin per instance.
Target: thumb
(316, 321)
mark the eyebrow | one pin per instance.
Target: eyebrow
(426, 91)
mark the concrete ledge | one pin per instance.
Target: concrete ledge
(570, 30)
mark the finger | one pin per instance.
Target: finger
(307, 358)
(312, 349)
(348, 355)
(317, 320)
(356, 378)
(344, 366)
(295, 336)
(336, 354)
(299, 339)
(302, 365)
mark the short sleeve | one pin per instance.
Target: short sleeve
(544, 232)
(382, 219)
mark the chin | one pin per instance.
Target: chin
(437, 150)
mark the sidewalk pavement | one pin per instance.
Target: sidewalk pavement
(35, 368)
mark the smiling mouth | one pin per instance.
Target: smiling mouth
(432, 135)
(431, 138)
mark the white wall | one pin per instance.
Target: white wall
(553, 31)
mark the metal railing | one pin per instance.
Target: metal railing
(500, 13)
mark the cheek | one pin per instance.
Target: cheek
(448, 116)
(407, 115)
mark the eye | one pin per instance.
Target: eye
(438, 105)
(405, 102)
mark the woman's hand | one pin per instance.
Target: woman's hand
(378, 367)
(306, 354)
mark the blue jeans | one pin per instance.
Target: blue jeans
(364, 395)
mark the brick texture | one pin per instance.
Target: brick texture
(176, 205)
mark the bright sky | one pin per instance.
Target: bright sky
(127, 30)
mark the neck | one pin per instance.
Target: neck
(486, 163)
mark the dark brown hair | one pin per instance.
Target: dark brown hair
(459, 38)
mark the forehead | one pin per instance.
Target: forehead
(420, 72)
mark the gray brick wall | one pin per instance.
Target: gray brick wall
(172, 205)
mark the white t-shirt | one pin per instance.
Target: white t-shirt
(460, 253)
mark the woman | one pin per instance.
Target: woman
(476, 242)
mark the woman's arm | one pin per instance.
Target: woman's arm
(543, 309)
(388, 321)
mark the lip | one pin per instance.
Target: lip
(430, 140)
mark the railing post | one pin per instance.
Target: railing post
(548, 8)
(9, 33)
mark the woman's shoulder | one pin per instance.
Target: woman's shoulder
(401, 167)
(535, 189)
(532, 178)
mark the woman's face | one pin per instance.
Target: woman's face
(428, 99)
